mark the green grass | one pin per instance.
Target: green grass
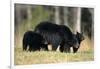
(46, 57)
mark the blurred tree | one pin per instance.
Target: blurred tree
(51, 13)
(61, 15)
(74, 18)
(17, 14)
(29, 15)
(87, 20)
(91, 10)
(78, 20)
(57, 20)
(65, 11)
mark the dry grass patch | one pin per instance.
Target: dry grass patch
(85, 53)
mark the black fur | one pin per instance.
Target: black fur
(57, 35)
(80, 37)
(34, 40)
(50, 33)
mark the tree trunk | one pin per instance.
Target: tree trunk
(77, 19)
(17, 14)
(65, 10)
(91, 10)
(78, 22)
(57, 20)
(29, 15)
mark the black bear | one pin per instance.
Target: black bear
(80, 37)
(69, 39)
(50, 33)
(34, 40)
(57, 35)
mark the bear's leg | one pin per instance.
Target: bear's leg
(66, 48)
(54, 48)
(61, 48)
(25, 47)
(75, 50)
(46, 47)
(30, 48)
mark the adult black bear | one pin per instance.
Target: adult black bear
(50, 33)
(34, 40)
(57, 35)
(80, 37)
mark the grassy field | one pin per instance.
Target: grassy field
(85, 53)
